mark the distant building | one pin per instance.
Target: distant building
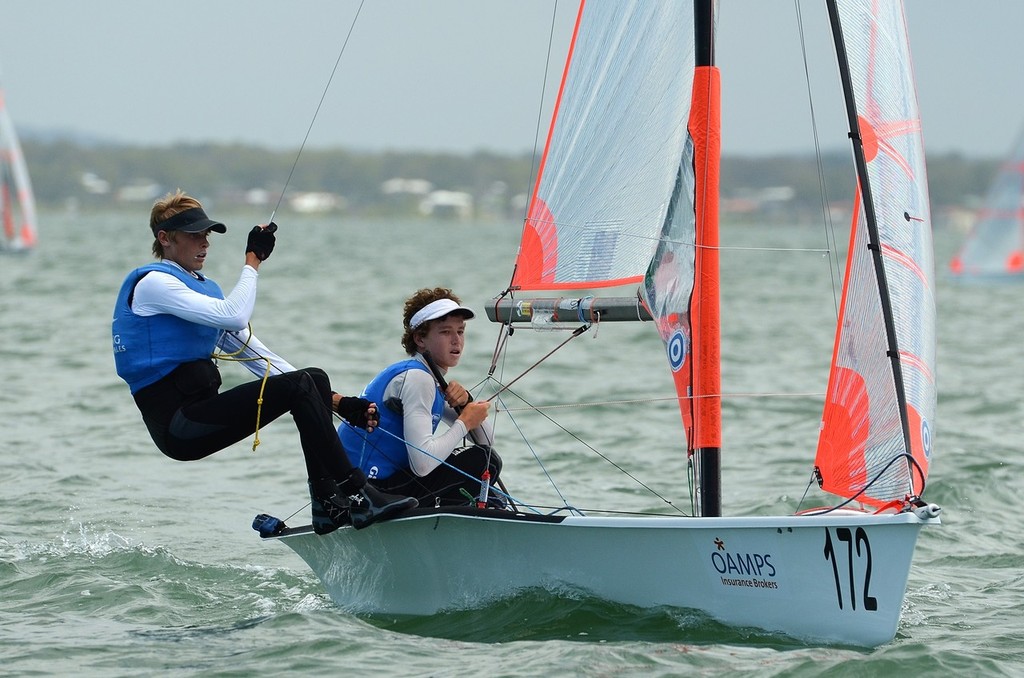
(447, 204)
(399, 185)
(94, 185)
(314, 202)
(257, 196)
(142, 190)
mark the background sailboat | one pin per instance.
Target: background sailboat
(17, 202)
(994, 248)
(627, 194)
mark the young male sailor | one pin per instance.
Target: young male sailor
(407, 454)
(168, 321)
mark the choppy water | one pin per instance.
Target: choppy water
(117, 561)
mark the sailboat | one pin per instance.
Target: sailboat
(626, 194)
(994, 248)
(17, 202)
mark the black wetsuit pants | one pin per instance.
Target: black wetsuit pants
(189, 418)
(448, 484)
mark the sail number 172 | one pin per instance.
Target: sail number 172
(856, 550)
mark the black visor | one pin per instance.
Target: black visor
(190, 221)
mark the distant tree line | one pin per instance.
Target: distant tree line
(95, 174)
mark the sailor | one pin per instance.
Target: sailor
(410, 453)
(169, 319)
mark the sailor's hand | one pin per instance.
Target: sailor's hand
(474, 413)
(358, 412)
(457, 395)
(261, 240)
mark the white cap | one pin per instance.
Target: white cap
(438, 309)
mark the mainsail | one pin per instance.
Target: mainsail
(17, 202)
(995, 246)
(613, 152)
(875, 442)
(614, 196)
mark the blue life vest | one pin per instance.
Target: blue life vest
(148, 348)
(378, 454)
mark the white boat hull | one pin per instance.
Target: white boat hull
(836, 578)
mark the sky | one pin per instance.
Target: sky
(455, 75)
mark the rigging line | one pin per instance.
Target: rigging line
(641, 401)
(317, 111)
(540, 111)
(805, 250)
(832, 246)
(504, 330)
(233, 357)
(691, 482)
(807, 488)
(911, 462)
(595, 451)
(540, 462)
(584, 511)
(577, 332)
(565, 227)
(531, 178)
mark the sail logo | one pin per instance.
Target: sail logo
(751, 570)
(676, 346)
(926, 438)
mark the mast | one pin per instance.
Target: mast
(705, 129)
(871, 219)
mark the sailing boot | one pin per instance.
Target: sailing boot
(368, 505)
(329, 506)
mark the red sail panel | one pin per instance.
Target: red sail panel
(840, 458)
(705, 130)
(538, 248)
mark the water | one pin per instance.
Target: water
(117, 561)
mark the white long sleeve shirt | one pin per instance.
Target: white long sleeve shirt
(160, 292)
(416, 389)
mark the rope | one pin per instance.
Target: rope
(317, 111)
(633, 401)
(577, 332)
(595, 451)
(233, 357)
(870, 483)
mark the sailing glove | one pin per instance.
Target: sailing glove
(261, 241)
(355, 411)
